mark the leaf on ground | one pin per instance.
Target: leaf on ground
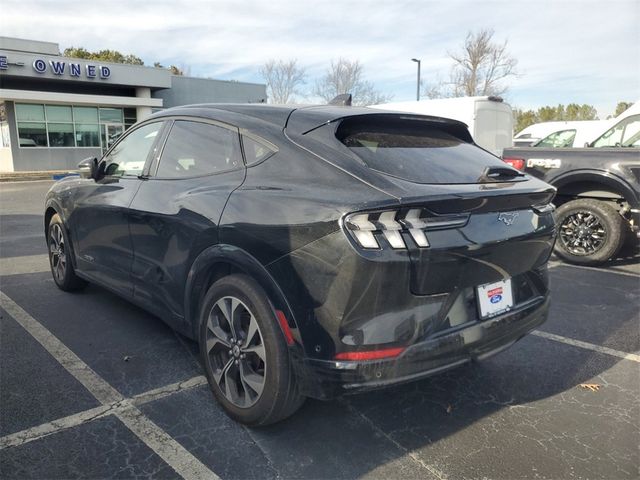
(594, 387)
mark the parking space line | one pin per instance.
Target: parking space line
(161, 392)
(22, 265)
(555, 264)
(434, 471)
(55, 426)
(167, 448)
(589, 346)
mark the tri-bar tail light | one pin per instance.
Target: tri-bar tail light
(366, 228)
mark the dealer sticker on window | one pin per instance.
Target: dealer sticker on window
(494, 298)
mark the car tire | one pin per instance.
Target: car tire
(248, 366)
(590, 232)
(60, 261)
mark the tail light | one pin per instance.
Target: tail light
(370, 354)
(517, 163)
(396, 226)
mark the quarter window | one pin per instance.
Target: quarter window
(255, 151)
(195, 148)
(129, 155)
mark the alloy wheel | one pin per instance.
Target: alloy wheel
(57, 253)
(583, 233)
(235, 352)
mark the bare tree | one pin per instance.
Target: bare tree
(346, 76)
(284, 79)
(479, 68)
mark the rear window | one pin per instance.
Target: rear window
(415, 150)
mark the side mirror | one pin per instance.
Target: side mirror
(88, 167)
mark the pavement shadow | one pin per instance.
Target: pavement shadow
(21, 235)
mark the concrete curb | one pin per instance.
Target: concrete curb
(36, 175)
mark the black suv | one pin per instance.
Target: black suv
(311, 251)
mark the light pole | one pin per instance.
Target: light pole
(418, 88)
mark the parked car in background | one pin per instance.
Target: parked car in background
(560, 134)
(598, 186)
(490, 119)
(311, 251)
(573, 134)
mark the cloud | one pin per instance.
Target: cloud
(586, 51)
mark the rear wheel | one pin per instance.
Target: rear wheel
(244, 353)
(60, 257)
(590, 232)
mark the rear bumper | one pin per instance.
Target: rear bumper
(326, 379)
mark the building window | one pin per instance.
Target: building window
(28, 112)
(61, 135)
(85, 114)
(111, 115)
(32, 134)
(59, 113)
(69, 126)
(87, 135)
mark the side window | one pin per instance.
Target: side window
(256, 151)
(195, 148)
(130, 154)
(617, 135)
(563, 138)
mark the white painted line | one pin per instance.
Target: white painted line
(412, 455)
(603, 269)
(60, 424)
(167, 448)
(588, 346)
(26, 264)
(55, 426)
(99, 388)
(167, 390)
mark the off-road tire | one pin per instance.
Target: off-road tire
(607, 225)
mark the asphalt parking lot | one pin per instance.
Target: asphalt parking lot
(93, 387)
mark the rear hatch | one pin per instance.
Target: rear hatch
(484, 221)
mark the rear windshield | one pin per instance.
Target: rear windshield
(417, 151)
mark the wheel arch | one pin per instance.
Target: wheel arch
(596, 185)
(219, 261)
(51, 208)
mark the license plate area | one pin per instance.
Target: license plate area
(494, 298)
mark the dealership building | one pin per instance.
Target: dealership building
(56, 111)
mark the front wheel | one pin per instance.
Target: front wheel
(244, 353)
(590, 232)
(60, 257)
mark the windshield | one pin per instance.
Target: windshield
(623, 134)
(420, 152)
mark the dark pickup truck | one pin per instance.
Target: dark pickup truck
(598, 199)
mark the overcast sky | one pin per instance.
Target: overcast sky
(568, 51)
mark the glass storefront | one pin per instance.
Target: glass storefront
(70, 126)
